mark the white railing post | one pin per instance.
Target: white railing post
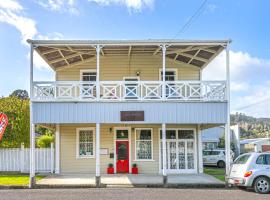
(22, 158)
(164, 160)
(227, 125)
(163, 46)
(52, 158)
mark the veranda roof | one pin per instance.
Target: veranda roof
(60, 54)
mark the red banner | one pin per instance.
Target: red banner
(3, 124)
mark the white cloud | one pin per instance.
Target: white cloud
(71, 7)
(136, 5)
(10, 5)
(249, 81)
(210, 8)
(59, 5)
(255, 102)
(11, 12)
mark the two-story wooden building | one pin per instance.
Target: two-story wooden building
(126, 102)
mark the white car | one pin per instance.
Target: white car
(215, 157)
(251, 170)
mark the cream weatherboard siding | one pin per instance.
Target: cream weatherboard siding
(70, 164)
(114, 68)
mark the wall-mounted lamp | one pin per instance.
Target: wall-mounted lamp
(110, 129)
(138, 73)
(133, 129)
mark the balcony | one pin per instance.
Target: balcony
(135, 91)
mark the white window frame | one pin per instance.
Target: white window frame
(135, 145)
(131, 77)
(169, 70)
(195, 170)
(87, 70)
(78, 156)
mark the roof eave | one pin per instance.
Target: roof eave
(128, 42)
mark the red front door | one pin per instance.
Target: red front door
(122, 157)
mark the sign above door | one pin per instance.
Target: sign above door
(132, 115)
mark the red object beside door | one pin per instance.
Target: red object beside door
(122, 157)
(134, 170)
(3, 124)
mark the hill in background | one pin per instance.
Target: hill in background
(251, 127)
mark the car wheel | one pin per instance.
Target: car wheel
(262, 185)
(221, 164)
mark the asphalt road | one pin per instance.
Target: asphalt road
(130, 193)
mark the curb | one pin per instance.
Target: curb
(13, 187)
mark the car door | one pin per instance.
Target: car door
(206, 157)
(214, 155)
(261, 163)
(266, 165)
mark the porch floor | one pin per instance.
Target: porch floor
(143, 180)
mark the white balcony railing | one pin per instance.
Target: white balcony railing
(130, 91)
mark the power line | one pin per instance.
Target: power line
(197, 13)
(253, 104)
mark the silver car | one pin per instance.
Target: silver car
(251, 170)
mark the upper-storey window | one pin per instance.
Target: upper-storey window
(88, 75)
(88, 89)
(170, 75)
(131, 87)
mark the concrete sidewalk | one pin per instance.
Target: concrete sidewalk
(129, 180)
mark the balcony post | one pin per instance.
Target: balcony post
(98, 180)
(163, 46)
(31, 70)
(98, 47)
(227, 125)
(32, 125)
(164, 169)
(57, 149)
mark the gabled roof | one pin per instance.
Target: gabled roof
(67, 53)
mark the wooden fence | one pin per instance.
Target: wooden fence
(17, 159)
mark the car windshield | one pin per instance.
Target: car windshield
(242, 159)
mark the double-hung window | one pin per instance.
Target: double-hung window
(85, 142)
(144, 144)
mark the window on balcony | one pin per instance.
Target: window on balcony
(88, 75)
(88, 90)
(170, 76)
(131, 87)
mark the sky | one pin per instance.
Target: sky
(245, 22)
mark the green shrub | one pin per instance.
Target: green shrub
(45, 141)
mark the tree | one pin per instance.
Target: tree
(17, 132)
(21, 94)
